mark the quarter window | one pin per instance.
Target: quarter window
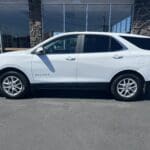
(62, 45)
(143, 43)
(99, 43)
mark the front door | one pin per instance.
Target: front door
(59, 63)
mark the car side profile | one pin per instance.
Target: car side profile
(93, 60)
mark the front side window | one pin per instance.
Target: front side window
(100, 43)
(62, 45)
(143, 43)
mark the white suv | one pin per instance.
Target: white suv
(92, 60)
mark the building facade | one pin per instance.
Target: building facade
(24, 23)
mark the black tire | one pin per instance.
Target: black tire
(137, 95)
(25, 84)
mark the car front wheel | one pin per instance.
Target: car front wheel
(127, 87)
(13, 85)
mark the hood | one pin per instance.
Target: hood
(15, 53)
(16, 57)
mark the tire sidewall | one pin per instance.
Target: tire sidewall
(23, 80)
(138, 93)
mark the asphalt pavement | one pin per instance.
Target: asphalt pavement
(74, 120)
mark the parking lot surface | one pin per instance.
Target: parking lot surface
(74, 120)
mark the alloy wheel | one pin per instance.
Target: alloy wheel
(127, 87)
(12, 85)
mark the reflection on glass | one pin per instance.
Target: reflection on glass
(52, 20)
(60, 18)
(75, 18)
(14, 25)
(121, 18)
(88, 1)
(98, 17)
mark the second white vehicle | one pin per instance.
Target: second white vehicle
(92, 60)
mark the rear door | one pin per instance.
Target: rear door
(101, 58)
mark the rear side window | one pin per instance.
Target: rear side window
(143, 43)
(100, 43)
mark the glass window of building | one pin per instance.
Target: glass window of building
(87, 15)
(75, 18)
(14, 24)
(52, 19)
(98, 17)
(121, 16)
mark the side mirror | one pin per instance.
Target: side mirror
(39, 51)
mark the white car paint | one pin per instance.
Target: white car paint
(54, 68)
(88, 67)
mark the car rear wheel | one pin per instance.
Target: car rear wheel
(127, 87)
(13, 85)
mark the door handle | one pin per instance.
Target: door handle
(117, 57)
(70, 58)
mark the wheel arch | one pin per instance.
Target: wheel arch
(126, 72)
(14, 69)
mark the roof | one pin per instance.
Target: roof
(107, 33)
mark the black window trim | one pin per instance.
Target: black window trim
(121, 44)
